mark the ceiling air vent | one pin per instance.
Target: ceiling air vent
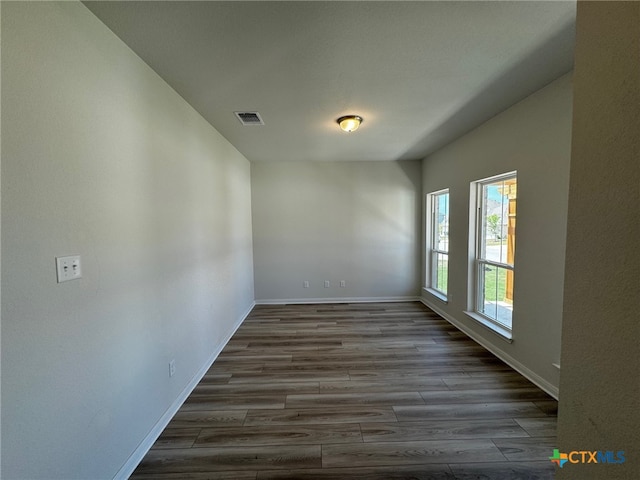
(249, 118)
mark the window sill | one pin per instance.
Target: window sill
(501, 332)
(439, 295)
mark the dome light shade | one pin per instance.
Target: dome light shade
(349, 123)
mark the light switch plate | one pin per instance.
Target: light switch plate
(68, 268)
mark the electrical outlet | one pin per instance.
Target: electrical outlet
(172, 368)
(305, 284)
(343, 283)
(327, 284)
(68, 268)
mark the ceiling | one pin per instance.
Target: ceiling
(420, 73)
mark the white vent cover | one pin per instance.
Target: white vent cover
(249, 118)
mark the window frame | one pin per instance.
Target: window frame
(432, 244)
(480, 260)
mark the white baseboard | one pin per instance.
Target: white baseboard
(306, 301)
(146, 444)
(506, 358)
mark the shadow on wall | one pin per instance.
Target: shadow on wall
(368, 202)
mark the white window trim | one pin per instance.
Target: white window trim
(503, 332)
(437, 293)
(474, 253)
(429, 226)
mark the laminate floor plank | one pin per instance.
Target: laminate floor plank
(407, 453)
(337, 330)
(504, 471)
(225, 368)
(425, 355)
(377, 346)
(389, 344)
(450, 347)
(335, 399)
(389, 385)
(278, 435)
(314, 368)
(239, 358)
(215, 378)
(412, 472)
(455, 411)
(404, 373)
(343, 356)
(260, 389)
(471, 383)
(525, 449)
(480, 369)
(232, 475)
(294, 342)
(367, 391)
(177, 437)
(241, 351)
(207, 418)
(483, 396)
(442, 430)
(469, 363)
(229, 402)
(539, 427)
(329, 415)
(492, 375)
(231, 458)
(291, 376)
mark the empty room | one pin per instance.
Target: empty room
(319, 240)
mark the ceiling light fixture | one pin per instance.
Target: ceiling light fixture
(349, 123)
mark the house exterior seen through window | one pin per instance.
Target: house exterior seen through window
(438, 242)
(495, 248)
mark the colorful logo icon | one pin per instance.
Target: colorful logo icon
(586, 456)
(559, 458)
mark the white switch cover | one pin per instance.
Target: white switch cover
(68, 268)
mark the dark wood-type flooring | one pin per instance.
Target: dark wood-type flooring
(381, 391)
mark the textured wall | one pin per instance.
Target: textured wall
(600, 380)
(101, 158)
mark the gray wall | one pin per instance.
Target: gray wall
(352, 221)
(101, 158)
(532, 137)
(600, 380)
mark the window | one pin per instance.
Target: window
(495, 249)
(438, 242)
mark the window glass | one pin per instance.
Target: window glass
(438, 241)
(496, 246)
